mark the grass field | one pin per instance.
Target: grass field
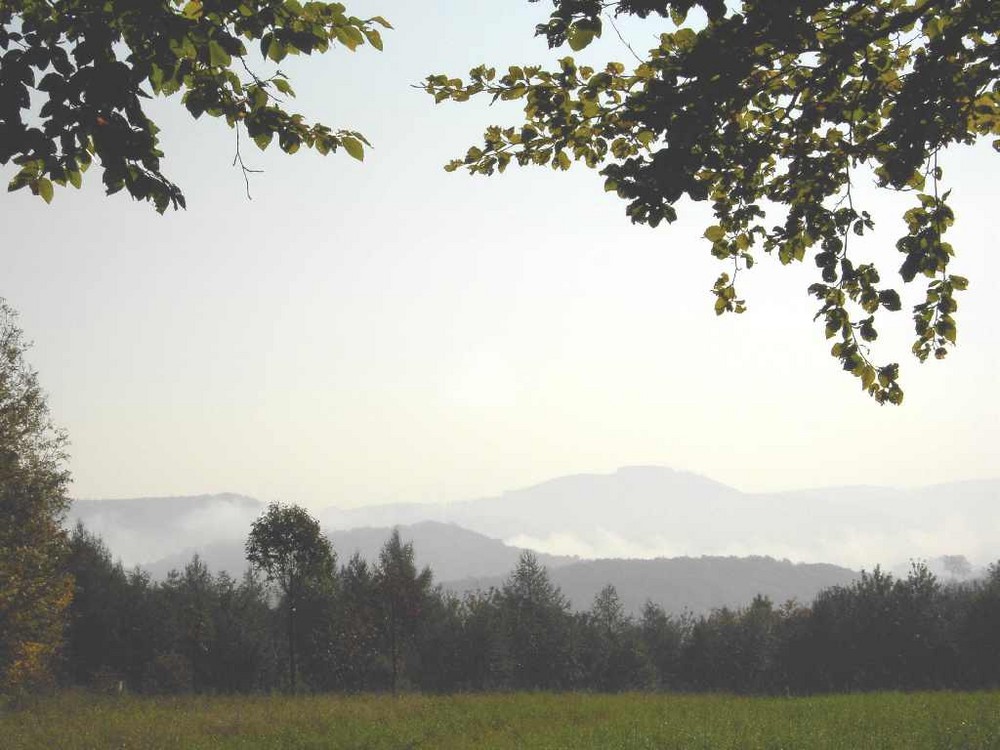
(886, 720)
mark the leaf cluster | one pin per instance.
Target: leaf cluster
(287, 545)
(769, 105)
(91, 63)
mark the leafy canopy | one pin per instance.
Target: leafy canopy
(35, 590)
(92, 62)
(287, 545)
(772, 105)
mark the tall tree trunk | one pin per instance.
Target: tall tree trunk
(393, 645)
(291, 640)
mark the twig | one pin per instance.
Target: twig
(238, 159)
(620, 37)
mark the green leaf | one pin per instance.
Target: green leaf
(44, 187)
(276, 50)
(349, 36)
(867, 377)
(353, 147)
(218, 56)
(193, 10)
(374, 38)
(946, 328)
(263, 140)
(715, 233)
(916, 181)
(579, 37)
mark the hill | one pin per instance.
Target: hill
(695, 584)
(450, 552)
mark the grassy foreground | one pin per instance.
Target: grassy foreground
(886, 720)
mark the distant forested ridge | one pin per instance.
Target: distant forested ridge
(385, 625)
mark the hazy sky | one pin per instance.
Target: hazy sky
(386, 331)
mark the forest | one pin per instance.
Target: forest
(384, 626)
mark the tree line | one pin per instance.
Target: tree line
(384, 626)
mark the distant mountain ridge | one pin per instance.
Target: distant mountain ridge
(634, 512)
(651, 511)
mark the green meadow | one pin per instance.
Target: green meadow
(524, 720)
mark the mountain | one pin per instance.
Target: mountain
(652, 511)
(635, 512)
(599, 511)
(450, 552)
(694, 584)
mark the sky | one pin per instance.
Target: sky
(384, 332)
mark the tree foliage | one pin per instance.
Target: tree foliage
(34, 589)
(92, 62)
(536, 622)
(286, 544)
(759, 106)
(359, 625)
(403, 593)
(192, 632)
(617, 655)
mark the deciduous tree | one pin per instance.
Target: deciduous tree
(768, 108)
(35, 590)
(286, 544)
